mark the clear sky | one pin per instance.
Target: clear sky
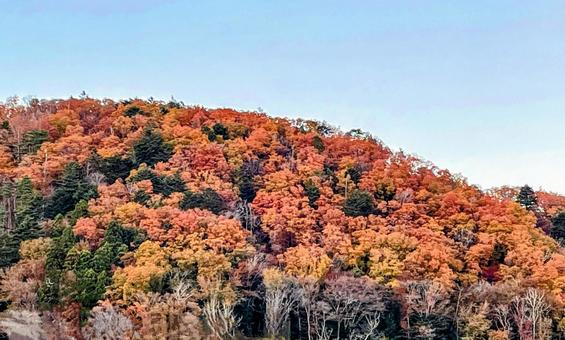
(477, 87)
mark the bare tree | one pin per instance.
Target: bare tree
(280, 298)
(220, 318)
(353, 305)
(530, 314)
(428, 304)
(107, 323)
(244, 213)
(503, 318)
(173, 315)
(307, 293)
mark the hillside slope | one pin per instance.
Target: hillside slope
(147, 219)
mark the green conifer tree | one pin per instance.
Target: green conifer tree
(151, 149)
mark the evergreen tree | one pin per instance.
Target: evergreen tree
(312, 192)
(80, 210)
(24, 219)
(29, 210)
(170, 184)
(151, 149)
(164, 185)
(558, 228)
(243, 177)
(31, 142)
(133, 111)
(318, 143)
(247, 190)
(9, 247)
(359, 203)
(220, 129)
(115, 167)
(354, 174)
(207, 199)
(70, 189)
(48, 293)
(141, 197)
(527, 197)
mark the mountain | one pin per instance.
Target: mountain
(150, 219)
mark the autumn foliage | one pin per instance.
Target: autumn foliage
(146, 219)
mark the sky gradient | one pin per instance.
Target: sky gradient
(477, 87)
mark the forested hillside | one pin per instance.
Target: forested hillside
(155, 220)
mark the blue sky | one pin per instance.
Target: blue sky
(477, 87)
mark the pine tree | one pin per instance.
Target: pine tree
(318, 144)
(115, 167)
(29, 210)
(8, 249)
(151, 149)
(31, 142)
(48, 293)
(207, 199)
(527, 197)
(558, 228)
(164, 185)
(22, 219)
(312, 191)
(70, 189)
(359, 203)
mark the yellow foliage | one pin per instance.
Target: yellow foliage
(35, 249)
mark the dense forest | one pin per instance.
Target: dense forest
(144, 219)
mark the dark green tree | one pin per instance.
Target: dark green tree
(354, 174)
(71, 188)
(9, 247)
(171, 184)
(31, 142)
(115, 167)
(558, 229)
(29, 210)
(207, 199)
(312, 191)
(151, 149)
(133, 111)
(80, 210)
(220, 130)
(244, 179)
(25, 218)
(217, 129)
(359, 203)
(141, 197)
(165, 185)
(318, 144)
(48, 293)
(527, 197)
